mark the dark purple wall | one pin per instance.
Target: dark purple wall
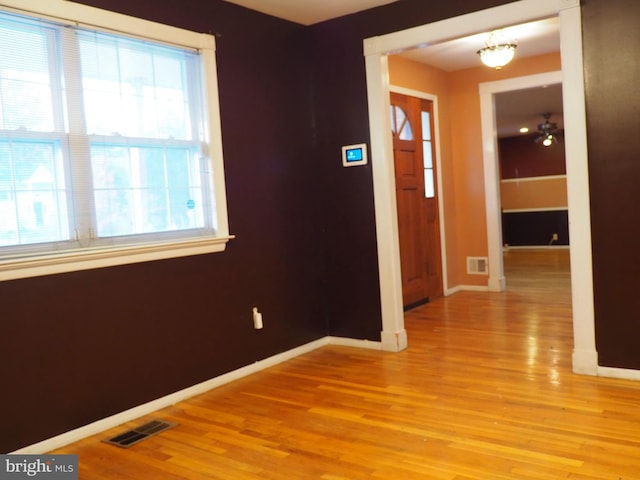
(81, 346)
(613, 124)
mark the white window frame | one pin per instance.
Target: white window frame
(84, 259)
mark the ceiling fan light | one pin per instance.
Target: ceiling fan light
(547, 131)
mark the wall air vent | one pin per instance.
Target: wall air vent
(477, 265)
(131, 437)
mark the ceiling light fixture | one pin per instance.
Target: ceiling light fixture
(547, 131)
(498, 50)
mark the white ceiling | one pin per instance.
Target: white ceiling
(513, 109)
(308, 12)
(522, 108)
(535, 38)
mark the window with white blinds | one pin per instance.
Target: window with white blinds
(106, 147)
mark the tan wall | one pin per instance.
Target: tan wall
(424, 78)
(461, 145)
(535, 193)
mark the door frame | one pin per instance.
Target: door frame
(436, 127)
(376, 51)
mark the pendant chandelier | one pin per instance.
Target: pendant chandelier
(498, 50)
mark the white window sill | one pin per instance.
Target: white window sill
(87, 259)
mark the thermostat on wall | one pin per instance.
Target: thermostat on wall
(353, 155)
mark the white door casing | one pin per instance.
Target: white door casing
(376, 50)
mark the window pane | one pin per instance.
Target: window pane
(429, 185)
(402, 124)
(184, 189)
(394, 128)
(146, 189)
(33, 205)
(427, 154)
(103, 135)
(399, 116)
(25, 79)
(426, 126)
(136, 89)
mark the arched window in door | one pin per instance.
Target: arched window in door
(400, 125)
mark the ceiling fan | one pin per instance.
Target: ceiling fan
(547, 131)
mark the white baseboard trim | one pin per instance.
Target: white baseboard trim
(586, 363)
(352, 342)
(621, 373)
(466, 288)
(96, 427)
(506, 248)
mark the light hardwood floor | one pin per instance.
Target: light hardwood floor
(484, 391)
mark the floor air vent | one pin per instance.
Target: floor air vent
(131, 437)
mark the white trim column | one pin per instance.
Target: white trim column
(393, 335)
(585, 356)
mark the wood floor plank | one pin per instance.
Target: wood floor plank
(484, 391)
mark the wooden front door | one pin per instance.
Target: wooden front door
(418, 221)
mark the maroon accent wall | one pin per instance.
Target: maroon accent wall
(522, 157)
(613, 123)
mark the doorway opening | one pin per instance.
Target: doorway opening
(532, 174)
(488, 91)
(376, 50)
